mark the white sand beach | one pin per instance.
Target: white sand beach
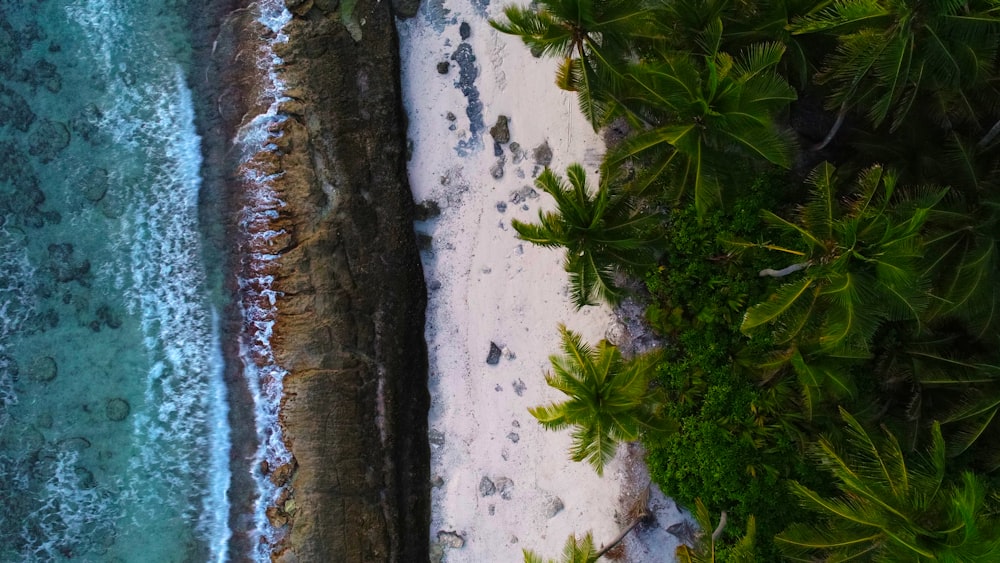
(502, 483)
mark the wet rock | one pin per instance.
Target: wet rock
(450, 116)
(109, 317)
(468, 72)
(450, 539)
(426, 210)
(425, 242)
(542, 154)
(94, 185)
(437, 482)
(84, 477)
(443, 67)
(464, 30)
(74, 444)
(85, 124)
(14, 110)
(486, 487)
(505, 487)
(117, 409)
(276, 516)
(10, 50)
(64, 266)
(280, 476)
(501, 130)
(493, 358)
(47, 75)
(47, 140)
(553, 506)
(299, 7)
(43, 369)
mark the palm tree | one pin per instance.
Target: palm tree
(893, 52)
(594, 37)
(698, 113)
(707, 546)
(860, 264)
(575, 551)
(603, 232)
(610, 399)
(891, 510)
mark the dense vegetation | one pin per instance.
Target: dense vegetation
(809, 190)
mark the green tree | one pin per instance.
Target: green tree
(892, 53)
(609, 398)
(603, 231)
(594, 37)
(699, 112)
(893, 510)
(860, 264)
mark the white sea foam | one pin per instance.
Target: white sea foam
(262, 205)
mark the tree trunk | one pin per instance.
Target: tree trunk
(784, 271)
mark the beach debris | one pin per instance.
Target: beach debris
(117, 409)
(519, 387)
(523, 194)
(514, 437)
(487, 487)
(684, 531)
(501, 130)
(508, 354)
(43, 369)
(494, 356)
(553, 506)
(451, 539)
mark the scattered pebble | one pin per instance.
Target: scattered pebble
(494, 356)
(443, 67)
(486, 487)
(519, 387)
(514, 437)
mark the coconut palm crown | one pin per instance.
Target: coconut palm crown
(602, 231)
(609, 398)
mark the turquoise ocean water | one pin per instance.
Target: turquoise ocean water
(114, 444)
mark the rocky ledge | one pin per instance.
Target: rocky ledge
(351, 296)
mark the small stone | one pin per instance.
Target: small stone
(509, 354)
(554, 506)
(117, 409)
(486, 487)
(542, 154)
(501, 130)
(443, 68)
(464, 30)
(497, 170)
(505, 487)
(450, 116)
(502, 206)
(43, 369)
(434, 285)
(435, 437)
(515, 424)
(494, 356)
(498, 388)
(437, 482)
(514, 437)
(519, 387)
(492, 509)
(513, 539)
(487, 270)
(451, 539)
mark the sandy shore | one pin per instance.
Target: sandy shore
(502, 483)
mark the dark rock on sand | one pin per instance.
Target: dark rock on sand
(493, 358)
